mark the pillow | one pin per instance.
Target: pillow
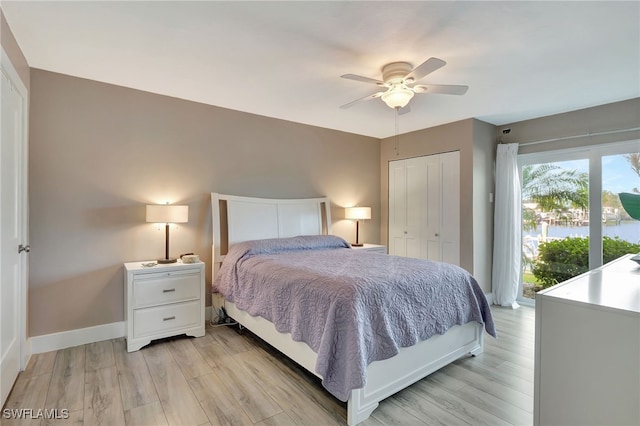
(279, 245)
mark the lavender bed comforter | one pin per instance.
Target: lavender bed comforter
(351, 308)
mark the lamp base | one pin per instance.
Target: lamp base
(357, 244)
(163, 261)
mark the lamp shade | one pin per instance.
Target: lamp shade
(397, 97)
(357, 213)
(167, 213)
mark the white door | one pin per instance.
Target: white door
(406, 206)
(397, 207)
(432, 218)
(12, 226)
(450, 208)
(424, 207)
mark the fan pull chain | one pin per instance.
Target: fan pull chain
(397, 148)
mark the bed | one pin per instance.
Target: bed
(251, 235)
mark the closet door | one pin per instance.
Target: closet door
(449, 235)
(424, 207)
(432, 188)
(406, 207)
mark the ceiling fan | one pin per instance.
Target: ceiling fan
(398, 83)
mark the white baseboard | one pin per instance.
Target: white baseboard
(82, 336)
(26, 354)
(489, 297)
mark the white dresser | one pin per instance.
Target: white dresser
(587, 350)
(162, 301)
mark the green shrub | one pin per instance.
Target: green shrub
(560, 260)
(613, 248)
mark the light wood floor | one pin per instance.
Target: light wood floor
(230, 378)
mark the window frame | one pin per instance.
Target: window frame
(594, 154)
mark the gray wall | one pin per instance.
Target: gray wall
(604, 118)
(476, 142)
(99, 153)
(484, 157)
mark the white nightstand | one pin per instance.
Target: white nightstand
(162, 301)
(372, 247)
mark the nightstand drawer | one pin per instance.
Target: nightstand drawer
(168, 287)
(162, 319)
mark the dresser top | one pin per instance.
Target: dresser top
(615, 285)
(138, 266)
(369, 246)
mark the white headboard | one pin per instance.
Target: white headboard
(236, 219)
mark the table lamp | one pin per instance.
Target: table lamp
(167, 213)
(357, 214)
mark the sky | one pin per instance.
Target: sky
(617, 174)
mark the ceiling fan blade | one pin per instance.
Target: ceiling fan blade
(366, 98)
(445, 89)
(363, 79)
(427, 67)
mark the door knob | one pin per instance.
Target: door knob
(22, 248)
(437, 234)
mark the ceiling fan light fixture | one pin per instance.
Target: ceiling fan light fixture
(398, 78)
(398, 96)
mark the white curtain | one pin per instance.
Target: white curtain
(507, 225)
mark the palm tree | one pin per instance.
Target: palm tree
(634, 162)
(553, 187)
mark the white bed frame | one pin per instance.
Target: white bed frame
(236, 219)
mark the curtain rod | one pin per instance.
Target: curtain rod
(609, 132)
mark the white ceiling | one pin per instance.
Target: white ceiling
(521, 60)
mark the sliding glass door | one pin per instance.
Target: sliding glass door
(620, 175)
(572, 216)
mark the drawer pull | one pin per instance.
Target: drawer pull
(169, 318)
(169, 290)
